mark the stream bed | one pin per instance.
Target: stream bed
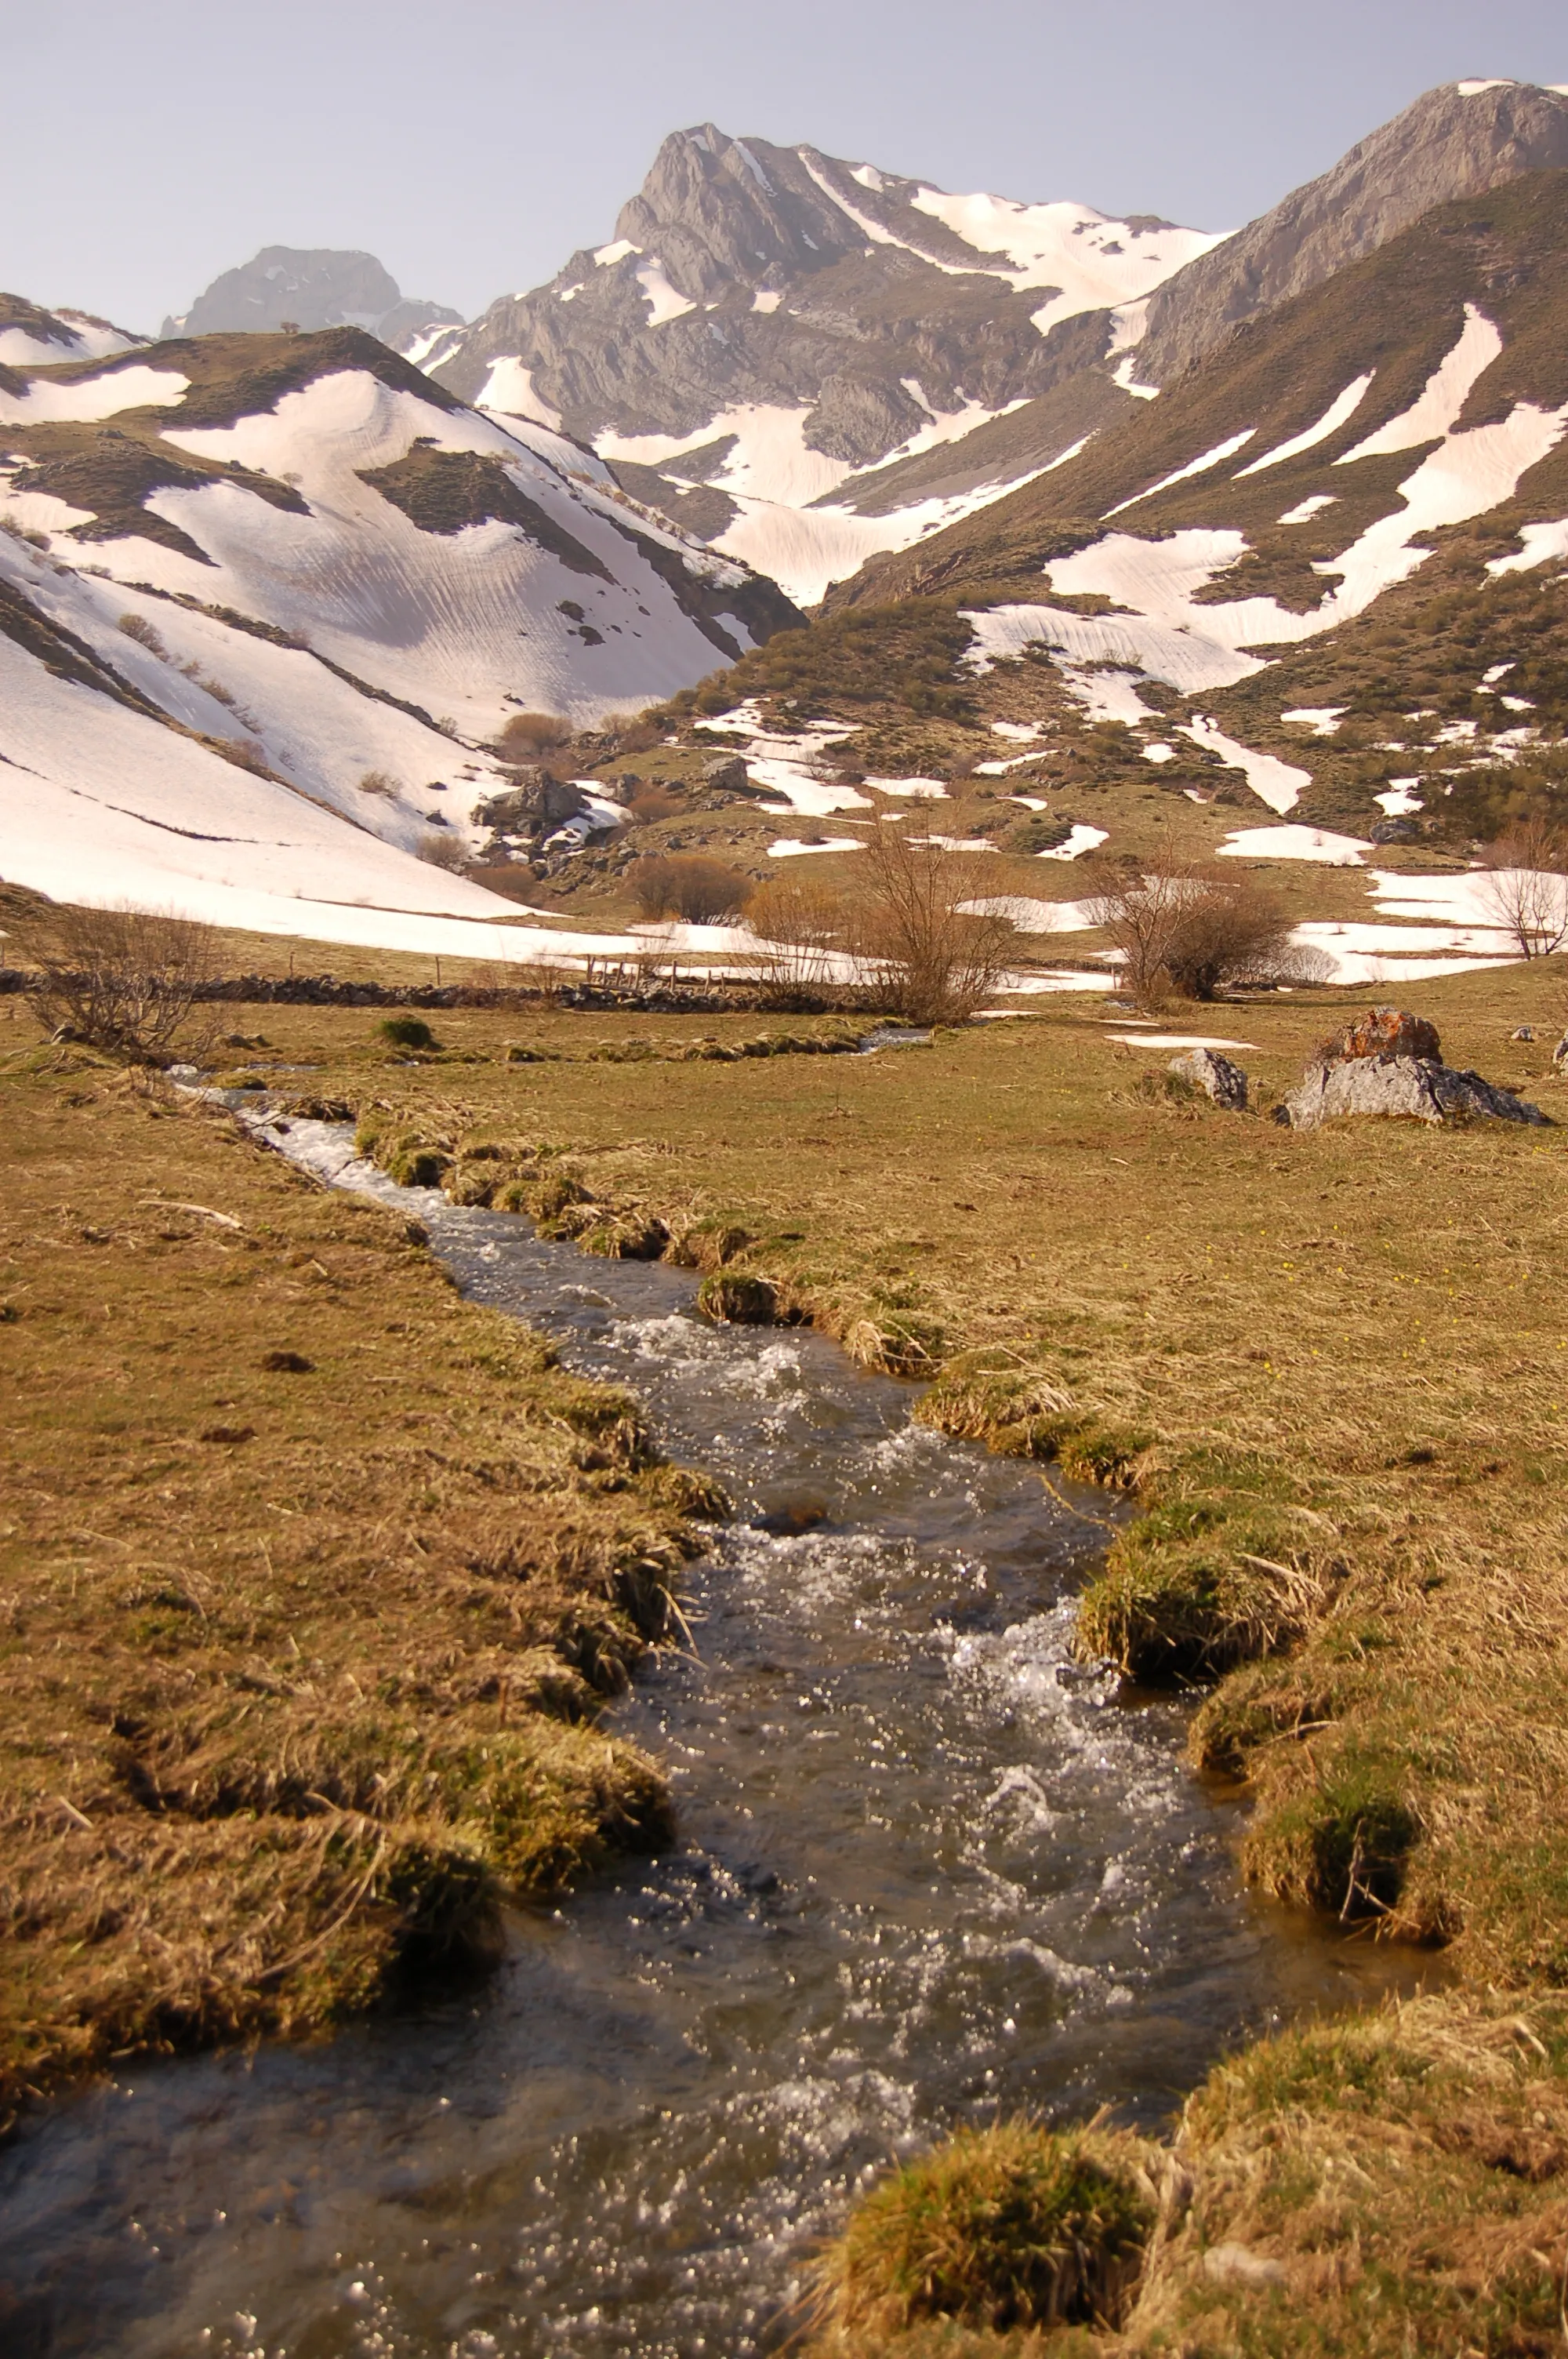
(928, 1870)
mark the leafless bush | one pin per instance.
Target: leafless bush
(527, 735)
(935, 959)
(703, 892)
(137, 627)
(1526, 889)
(801, 930)
(440, 849)
(1190, 930)
(120, 980)
(245, 753)
(376, 782)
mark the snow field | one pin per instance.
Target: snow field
(1436, 409)
(460, 623)
(1278, 784)
(313, 728)
(93, 397)
(1314, 843)
(1542, 543)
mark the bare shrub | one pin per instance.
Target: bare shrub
(137, 627)
(801, 929)
(704, 892)
(1525, 885)
(654, 802)
(527, 735)
(245, 753)
(439, 849)
(122, 980)
(1190, 930)
(937, 959)
(376, 782)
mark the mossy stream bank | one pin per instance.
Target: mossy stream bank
(927, 1867)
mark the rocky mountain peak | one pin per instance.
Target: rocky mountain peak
(1458, 140)
(311, 288)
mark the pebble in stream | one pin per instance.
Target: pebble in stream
(927, 1870)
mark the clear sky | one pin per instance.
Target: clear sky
(474, 143)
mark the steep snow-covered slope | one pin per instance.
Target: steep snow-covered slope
(771, 327)
(263, 601)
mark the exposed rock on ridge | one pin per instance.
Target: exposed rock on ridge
(1452, 142)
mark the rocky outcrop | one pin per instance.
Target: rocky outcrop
(311, 287)
(1382, 1032)
(1389, 1061)
(746, 273)
(1452, 142)
(1217, 1077)
(1421, 1089)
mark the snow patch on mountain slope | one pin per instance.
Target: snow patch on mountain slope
(1093, 263)
(1278, 784)
(91, 398)
(312, 728)
(1167, 635)
(790, 765)
(1107, 695)
(665, 302)
(1437, 408)
(103, 804)
(1198, 466)
(1317, 844)
(1542, 542)
(1340, 409)
(790, 525)
(770, 460)
(89, 340)
(509, 387)
(805, 549)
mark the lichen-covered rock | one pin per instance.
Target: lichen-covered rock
(1421, 1089)
(1215, 1075)
(1383, 1032)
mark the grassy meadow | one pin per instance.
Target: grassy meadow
(1330, 1367)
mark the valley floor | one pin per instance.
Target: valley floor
(1330, 1366)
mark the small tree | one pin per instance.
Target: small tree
(122, 980)
(937, 957)
(1526, 887)
(703, 892)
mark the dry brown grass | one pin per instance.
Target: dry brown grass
(312, 1579)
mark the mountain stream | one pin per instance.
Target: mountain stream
(928, 1870)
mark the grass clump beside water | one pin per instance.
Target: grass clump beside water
(303, 1649)
(1001, 2228)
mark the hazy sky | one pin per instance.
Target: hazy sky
(473, 144)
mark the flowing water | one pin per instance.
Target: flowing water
(927, 1870)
